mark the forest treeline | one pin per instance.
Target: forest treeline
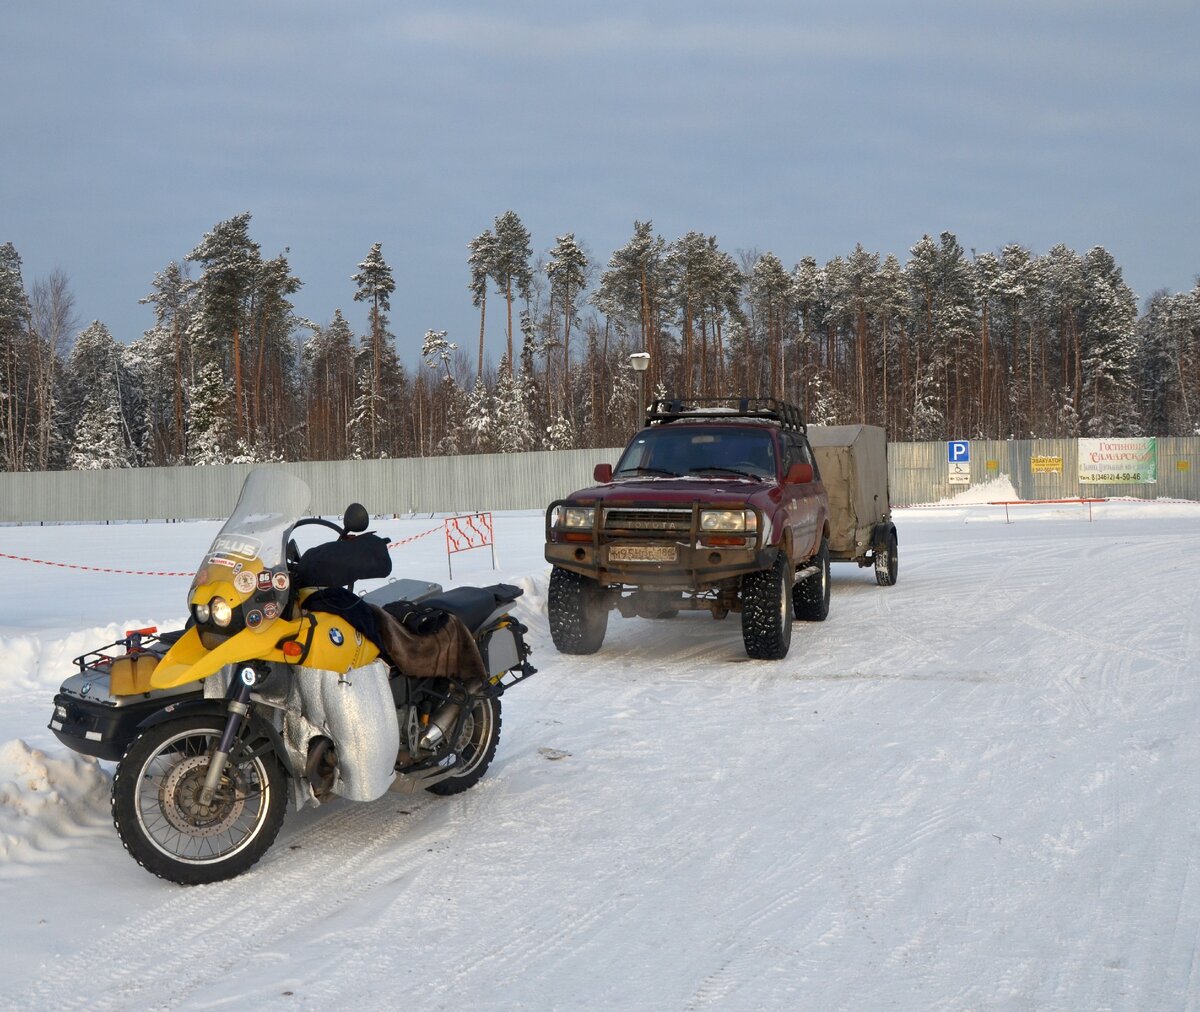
(944, 345)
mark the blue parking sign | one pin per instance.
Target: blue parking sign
(958, 451)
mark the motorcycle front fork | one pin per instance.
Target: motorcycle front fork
(239, 708)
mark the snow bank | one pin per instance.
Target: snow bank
(30, 662)
(46, 801)
(998, 489)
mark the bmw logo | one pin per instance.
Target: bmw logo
(336, 637)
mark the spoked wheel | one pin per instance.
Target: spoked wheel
(476, 748)
(167, 828)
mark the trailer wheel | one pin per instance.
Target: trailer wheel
(810, 597)
(887, 562)
(578, 612)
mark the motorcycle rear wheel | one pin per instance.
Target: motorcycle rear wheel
(476, 749)
(158, 814)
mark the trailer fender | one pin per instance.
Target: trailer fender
(880, 534)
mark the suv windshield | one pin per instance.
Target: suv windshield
(677, 450)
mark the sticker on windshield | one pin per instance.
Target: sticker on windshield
(244, 582)
(239, 547)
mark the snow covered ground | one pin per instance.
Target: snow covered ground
(976, 789)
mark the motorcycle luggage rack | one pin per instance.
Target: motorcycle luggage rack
(497, 684)
(134, 641)
(673, 409)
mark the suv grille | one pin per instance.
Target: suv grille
(648, 523)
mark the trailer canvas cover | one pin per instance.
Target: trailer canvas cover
(853, 464)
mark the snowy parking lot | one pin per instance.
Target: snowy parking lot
(976, 789)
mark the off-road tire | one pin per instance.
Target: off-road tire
(151, 832)
(810, 597)
(477, 749)
(767, 610)
(578, 612)
(887, 562)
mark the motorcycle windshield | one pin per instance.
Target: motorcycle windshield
(246, 565)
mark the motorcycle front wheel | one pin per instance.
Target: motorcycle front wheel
(164, 825)
(476, 747)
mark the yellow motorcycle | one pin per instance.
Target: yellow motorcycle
(308, 689)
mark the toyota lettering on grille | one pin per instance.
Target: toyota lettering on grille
(646, 520)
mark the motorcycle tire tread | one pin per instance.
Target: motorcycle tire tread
(456, 785)
(123, 803)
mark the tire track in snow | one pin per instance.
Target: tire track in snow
(200, 933)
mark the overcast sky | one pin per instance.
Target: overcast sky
(130, 129)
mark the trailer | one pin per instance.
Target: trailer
(852, 460)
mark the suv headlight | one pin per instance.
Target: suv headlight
(576, 517)
(728, 520)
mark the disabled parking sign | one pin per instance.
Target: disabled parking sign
(958, 456)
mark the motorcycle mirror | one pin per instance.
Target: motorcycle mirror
(356, 518)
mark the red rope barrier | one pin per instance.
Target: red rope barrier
(92, 569)
(151, 572)
(415, 537)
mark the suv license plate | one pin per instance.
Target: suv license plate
(642, 553)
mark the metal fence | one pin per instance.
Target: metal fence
(501, 481)
(918, 473)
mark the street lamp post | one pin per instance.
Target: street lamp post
(640, 362)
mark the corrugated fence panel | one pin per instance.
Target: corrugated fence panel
(498, 481)
(918, 473)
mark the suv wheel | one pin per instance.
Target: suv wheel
(578, 612)
(811, 595)
(767, 610)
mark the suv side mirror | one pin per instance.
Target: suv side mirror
(799, 473)
(356, 518)
(603, 473)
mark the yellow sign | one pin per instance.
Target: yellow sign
(1182, 465)
(993, 465)
(1046, 465)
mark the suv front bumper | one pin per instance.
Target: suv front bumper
(684, 558)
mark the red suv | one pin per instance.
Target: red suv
(716, 505)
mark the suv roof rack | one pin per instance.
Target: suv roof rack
(771, 409)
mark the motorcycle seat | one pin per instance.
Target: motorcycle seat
(474, 605)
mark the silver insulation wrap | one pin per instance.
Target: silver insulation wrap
(357, 711)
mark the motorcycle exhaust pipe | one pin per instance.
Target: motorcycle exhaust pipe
(439, 726)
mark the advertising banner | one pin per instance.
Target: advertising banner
(1045, 464)
(1129, 461)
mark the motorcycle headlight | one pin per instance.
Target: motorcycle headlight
(201, 612)
(576, 516)
(222, 613)
(728, 520)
